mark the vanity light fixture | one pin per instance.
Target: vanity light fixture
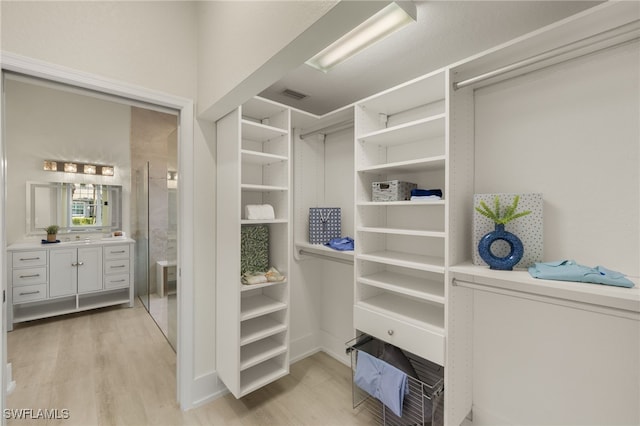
(388, 20)
(69, 167)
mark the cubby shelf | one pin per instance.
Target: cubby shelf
(401, 203)
(260, 375)
(260, 351)
(261, 158)
(409, 166)
(262, 221)
(259, 328)
(249, 287)
(408, 285)
(400, 231)
(262, 188)
(405, 260)
(260, 132)
(423, 129)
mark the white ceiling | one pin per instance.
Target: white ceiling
(445, 32)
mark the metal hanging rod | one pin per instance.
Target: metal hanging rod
(330, 129)
(627, 35)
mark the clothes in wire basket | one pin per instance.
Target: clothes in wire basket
(424, 400)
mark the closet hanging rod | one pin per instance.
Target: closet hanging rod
(327, 257)
(330, 129)
(634, 31)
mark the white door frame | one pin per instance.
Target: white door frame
(35, 68)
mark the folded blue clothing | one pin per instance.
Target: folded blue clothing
(382, 381)
(342, 243)
(569, 270)
(425, 192)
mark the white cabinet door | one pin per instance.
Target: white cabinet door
(89, 269)
(63, 274)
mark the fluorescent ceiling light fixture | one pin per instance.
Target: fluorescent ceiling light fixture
(387, 21)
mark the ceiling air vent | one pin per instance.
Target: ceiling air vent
(293, 94)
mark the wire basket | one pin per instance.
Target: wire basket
(423, 404)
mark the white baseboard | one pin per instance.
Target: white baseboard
(207, 388)
(303, 347)
(484, 417)
(334, 347)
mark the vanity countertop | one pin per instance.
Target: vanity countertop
(74, 243)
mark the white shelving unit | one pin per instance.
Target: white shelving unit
(253, 320)
(400, 245)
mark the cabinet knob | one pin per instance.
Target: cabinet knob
(390, 332)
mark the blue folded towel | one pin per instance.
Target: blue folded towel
(569, 270)
(425, 192)
(342, 244)
(382, 381)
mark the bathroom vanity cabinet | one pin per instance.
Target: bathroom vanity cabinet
(56, 279)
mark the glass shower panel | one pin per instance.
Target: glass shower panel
(141, 235)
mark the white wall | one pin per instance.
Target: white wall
(48, 124)
(150, 44)
(570, 132)
(237, 38)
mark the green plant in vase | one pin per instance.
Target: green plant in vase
(52, 233)
(501, 217)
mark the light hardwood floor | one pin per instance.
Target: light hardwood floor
(114, 367)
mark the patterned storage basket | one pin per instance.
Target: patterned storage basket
(254, 248)
(324, 224)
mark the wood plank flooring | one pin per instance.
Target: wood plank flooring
(114, 367)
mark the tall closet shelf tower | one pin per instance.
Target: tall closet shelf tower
(400, 134)
(252, 321)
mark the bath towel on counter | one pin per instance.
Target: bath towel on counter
(569, 270)
(382, 381)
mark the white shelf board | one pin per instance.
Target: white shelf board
(261, 158)
(421, 314)
(520, 281)
(260, 351)
(249, 287)
(262, 188)
(260, 132)
(432, 291)
(323, 251)
(405, 260)
(420, 91)
(259, 305)
(418, 130)
(409, 166)
(259, 328)
(262, 221)
(401, 203)
(260, 108)
(260, 375)
(400, 231)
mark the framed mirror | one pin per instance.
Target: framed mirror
(73, 206)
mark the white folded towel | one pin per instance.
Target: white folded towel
(259, 212)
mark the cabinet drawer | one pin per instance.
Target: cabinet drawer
(116, 281)
(30, 276)
(24, 259)
(419, 341)
(29, 293)
(116, 252)
(116, 266)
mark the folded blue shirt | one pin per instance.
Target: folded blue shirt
(416, 192)
(382, 381)
(342, 244)
(569, 270)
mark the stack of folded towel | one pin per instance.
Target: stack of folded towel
(426, 194)
(259, 212)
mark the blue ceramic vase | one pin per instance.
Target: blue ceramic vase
(507, 262)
